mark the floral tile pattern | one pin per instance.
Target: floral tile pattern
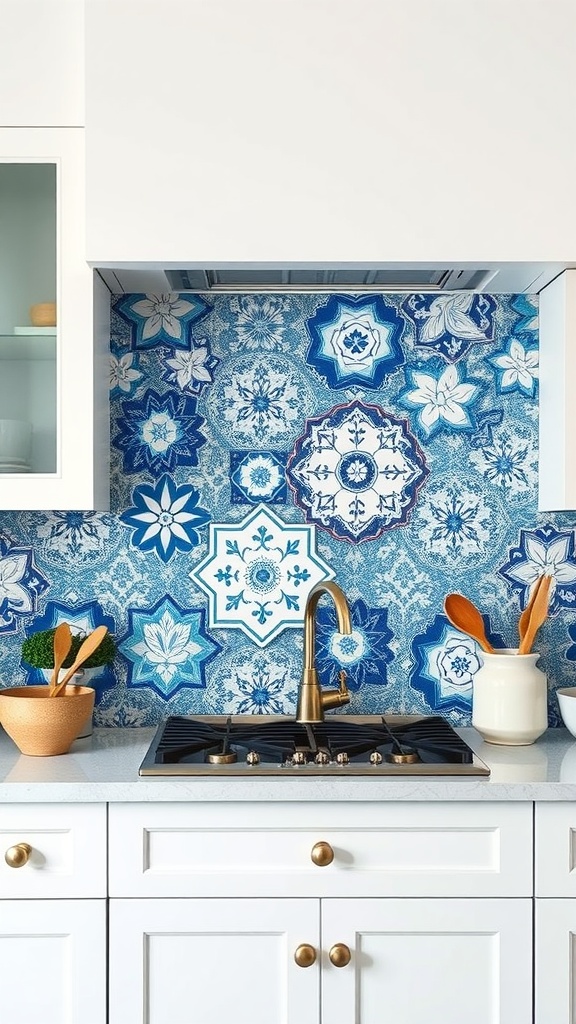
(161, 318)
(261, 443)
(449, 324)
(364, 654)
(258, 400)
(258, 574)
(445, 663)
(167, 647)
(158, 431)
(355, 340)
(356, 471)
(21, 584)
(258, 476)
(166, 517)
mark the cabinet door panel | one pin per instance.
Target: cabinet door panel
(439, 961)
(53, 961)
(208, 961)
(555, 962)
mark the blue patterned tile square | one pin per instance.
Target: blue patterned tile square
(257, 476)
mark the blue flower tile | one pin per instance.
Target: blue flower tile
(161, 319)
(166, 518)
(452, 322)
(257, 476)
(158, 432)
(355, 340)
(167, 647)
(364, 654)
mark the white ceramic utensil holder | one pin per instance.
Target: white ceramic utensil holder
(510, 698)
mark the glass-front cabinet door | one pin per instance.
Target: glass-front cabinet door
(53, 373)
(28, 318)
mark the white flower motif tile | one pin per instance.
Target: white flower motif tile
(258, 574)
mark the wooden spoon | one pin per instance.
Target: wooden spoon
(525, 616)
(465, 616)
(62, 645)
(538, 615)
(92, 641)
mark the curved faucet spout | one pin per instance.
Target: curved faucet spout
(312, 699)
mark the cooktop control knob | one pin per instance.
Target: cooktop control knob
(375, 757)
(322, 757)
(342, 758)
(298, 757)
(252, 757)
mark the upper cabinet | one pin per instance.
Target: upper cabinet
(54, 428)
(324, 130)
(557, 421)
(42, 66)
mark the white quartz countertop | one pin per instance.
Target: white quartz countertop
(105, 768)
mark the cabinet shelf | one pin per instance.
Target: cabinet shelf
(28, 347)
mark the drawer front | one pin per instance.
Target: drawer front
(266, 849)
(555, 851)
(62, 846)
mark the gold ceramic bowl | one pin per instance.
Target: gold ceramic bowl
(43, 314)
(42, 725)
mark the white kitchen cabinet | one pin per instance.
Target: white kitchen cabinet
(54, 379)
(42, 66)
(254, 131)
(557, 420)
(555, 913)
(199, 891)
(53, 914)
(212, 960)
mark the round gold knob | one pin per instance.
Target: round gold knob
(340, 955)
(322, 854)
(305, 955)
(17, 856)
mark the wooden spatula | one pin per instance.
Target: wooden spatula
(92, 641)
(464, 615)
(525, 616)
(62, 645)
(538, 615)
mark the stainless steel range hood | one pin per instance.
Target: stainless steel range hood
(503, 278)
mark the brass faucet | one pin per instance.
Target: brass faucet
(312, 699)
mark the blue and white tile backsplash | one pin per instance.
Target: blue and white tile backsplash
(262, 443)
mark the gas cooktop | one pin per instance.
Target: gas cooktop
(276, 745)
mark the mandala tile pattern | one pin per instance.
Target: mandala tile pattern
(158, 432)
(258, 476)
(167, 647)
(161, 319)
(259, 321)
(449, 324)
(355, 341)
(445, 663)
(364, 654)
(458, 524)
(356, 471)
(259, 400)
(257, 683)
(258, 574)
(82, 619)
(507, 457)
(21, 584)
(549, 552)
(166, 517)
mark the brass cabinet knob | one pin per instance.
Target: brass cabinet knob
(305, 955)
(17, 856)
(339, 955)
(322, 854)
